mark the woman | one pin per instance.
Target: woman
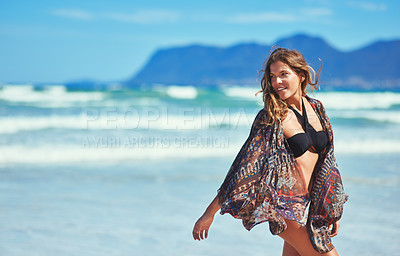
(286, 172)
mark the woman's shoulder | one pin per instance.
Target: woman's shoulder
(261, 116)
(260, 113)
(260, 119)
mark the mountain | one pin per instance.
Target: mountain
(198, 64)
(372, 67)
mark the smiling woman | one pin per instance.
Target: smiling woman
(284, 81)
(285, 173)
(284, 72)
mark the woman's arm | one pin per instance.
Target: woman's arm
(200, 229)
(249, 153)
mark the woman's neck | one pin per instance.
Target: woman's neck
(295, 101)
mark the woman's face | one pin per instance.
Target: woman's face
(284, 80)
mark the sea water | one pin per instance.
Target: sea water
(128, 172)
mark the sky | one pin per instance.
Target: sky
(58, 41)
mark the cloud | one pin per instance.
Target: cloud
(159, 16)
(261, 17)
(138, 17)
(368, 6)
(304, 14)
(145, 16)
(73, 14)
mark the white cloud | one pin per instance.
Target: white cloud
(262, 17)
(368, 6)
(145, 16)
(138, 17)
(304, 14)
(73, 14)
(159, 16)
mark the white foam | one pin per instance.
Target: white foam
(358, 100)
(110, 118)
(79, 154)
(131, 118)
(367, 146)
(391, 117)
(196, 119)
(11, 125)
(18, 87)
(242, 92)
(182, 92)
(114, 149)
(50, 96)
(374, 115)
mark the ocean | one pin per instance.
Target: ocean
(129, 171)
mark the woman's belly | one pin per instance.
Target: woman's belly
(307, 162)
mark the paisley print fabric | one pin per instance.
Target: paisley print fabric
(266, 184)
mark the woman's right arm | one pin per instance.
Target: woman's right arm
(250, 151)
(200, 229)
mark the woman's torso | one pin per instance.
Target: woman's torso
(291, 126)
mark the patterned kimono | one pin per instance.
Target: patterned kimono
(265, 183)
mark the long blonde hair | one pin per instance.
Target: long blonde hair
(275, 107)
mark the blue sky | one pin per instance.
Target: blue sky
(58, 41)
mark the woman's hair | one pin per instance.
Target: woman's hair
(275, 107)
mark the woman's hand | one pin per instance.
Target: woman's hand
(200, 229)
(335, 228)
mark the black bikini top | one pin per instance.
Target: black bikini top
(301, 142)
